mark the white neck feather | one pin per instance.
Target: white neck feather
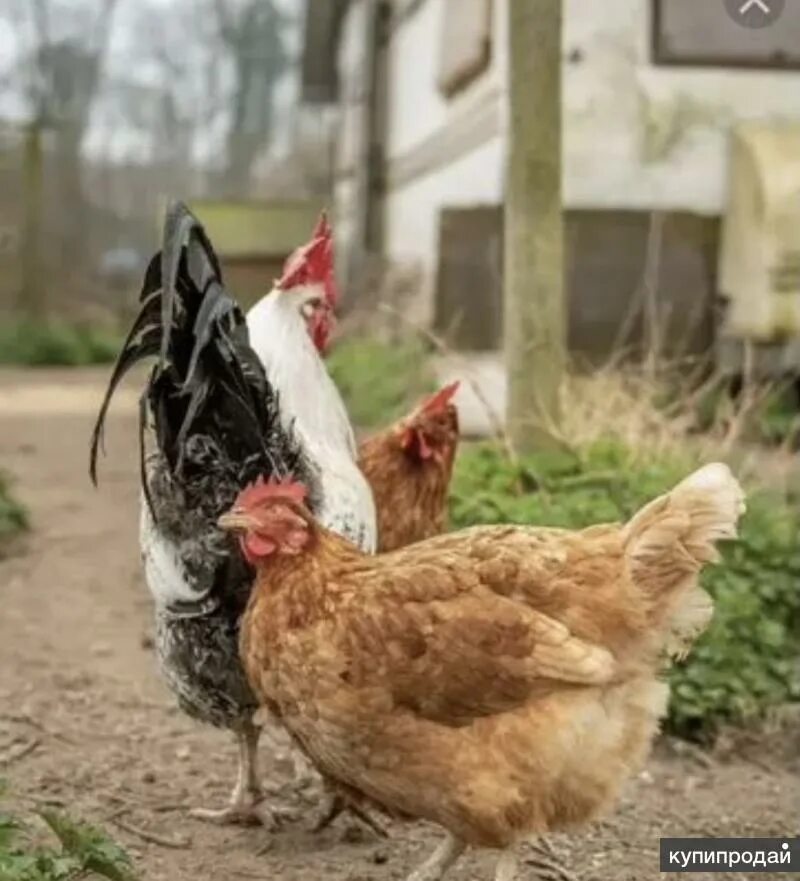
(310, 401)
(280, 338)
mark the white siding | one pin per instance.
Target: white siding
(412, 215)
(349, 186)
(416, 107)
(641, 136)
(418, 112)
(636, 136)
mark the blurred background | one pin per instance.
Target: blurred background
(587, 212)
(681, 137)
(109, 106)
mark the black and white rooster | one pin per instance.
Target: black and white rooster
(217, 421)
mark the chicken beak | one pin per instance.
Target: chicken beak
(236, 521)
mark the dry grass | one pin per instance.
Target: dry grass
(657, 407)
(655, 415)
(621, 403)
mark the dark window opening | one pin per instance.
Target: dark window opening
(703, 33)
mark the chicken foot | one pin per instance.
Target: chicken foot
(439, 861)
(247, 803)
(334, 804)
(545, 863)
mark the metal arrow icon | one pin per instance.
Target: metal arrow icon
(760, 4)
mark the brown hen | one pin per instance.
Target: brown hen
(501, 681)
(408, 466)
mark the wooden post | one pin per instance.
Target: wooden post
(534, 303)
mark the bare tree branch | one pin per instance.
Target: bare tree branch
(102, 28)
(41, 21)
(225, 23)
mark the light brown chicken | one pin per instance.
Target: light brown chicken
(500, 681)
(408, 466)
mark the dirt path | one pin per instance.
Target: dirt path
(79, 689)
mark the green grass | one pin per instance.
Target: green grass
(76, 850)
(13, 517)
(749, 659)
(56, 343)
(380, 381)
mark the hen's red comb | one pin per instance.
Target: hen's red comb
(261, 490)
(439, 400)
(312, 263)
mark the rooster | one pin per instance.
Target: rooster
(289, 331)
(218, 422)
(501, 681)
(409, 466)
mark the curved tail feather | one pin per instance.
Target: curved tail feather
(670, 540)
(206, 381)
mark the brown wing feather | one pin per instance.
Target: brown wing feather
(442, 641)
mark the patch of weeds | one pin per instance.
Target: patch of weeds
(81, 850)
(749, 659)
(56, 343)
(13, 516)
(380, 382)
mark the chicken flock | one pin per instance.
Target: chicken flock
(501, 681)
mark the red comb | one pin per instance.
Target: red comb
(309, 264)
(312, 263)
(438, 401)
(260, 490)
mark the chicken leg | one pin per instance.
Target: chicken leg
(247, 803)
(334, 804)
(439, 861)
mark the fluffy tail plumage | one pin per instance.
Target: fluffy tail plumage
(669, 541)
(207, 383)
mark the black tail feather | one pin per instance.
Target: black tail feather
(207, 380)
(143, 341)
(180, 230)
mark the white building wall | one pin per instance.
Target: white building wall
(641, 136)
(412, 213)
(418, 114)
(349, 186)
(636, 136)
(417, 109)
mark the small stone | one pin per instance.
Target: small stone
(101, 649)
(380, 856)
(148, 777)
(146, 641)
(183, 753)
(353, 835)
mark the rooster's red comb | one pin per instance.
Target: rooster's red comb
(261, 490)
(437, 402)
(312, 263)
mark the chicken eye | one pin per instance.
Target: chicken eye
(310, 306)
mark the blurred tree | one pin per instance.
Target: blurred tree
(252, 32)
(54, 79)
(211, 69)
(168, 88)
(535, 312)
(32, 291)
